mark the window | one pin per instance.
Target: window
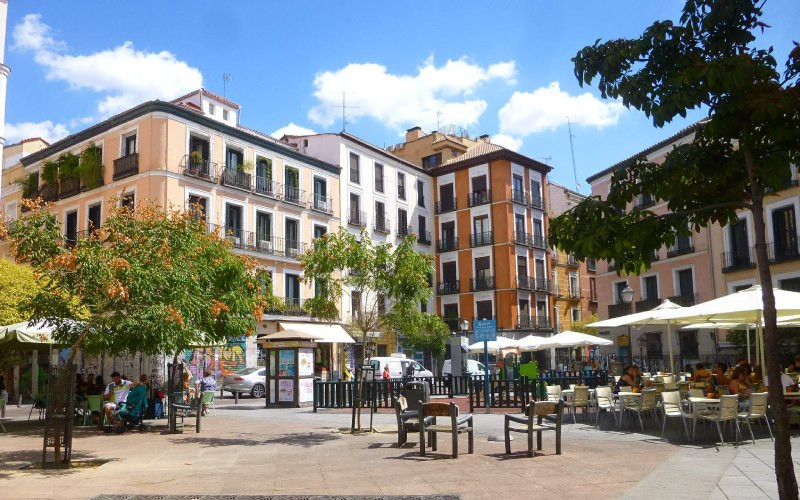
(518, 190)
(423, 307)
(320, 231)
(381, 224)
(355, 170)
(211, 110)
(234, 159)
(292, 185)
(688, 343)
(199, 145)
(483, 272)
(381, 304)
(71, 228)
(225, 114)
(685, 283)
(683, 242)
(519, 227)
(129, 145)
(432, 161)
(450, 311)
(264, 231)
(421, 223)
(538, 266)
(541, 308)
(128, 200)
(650, 288)
(784, 232)
(401, 185)
(554, 281)
(574, 288)
(355, 303)
(233, 222)
(591, 265)
(593, 289)
(537, 228)
(420, 193)
(199, 206)
(402, 222)
(94, 217)
(483, 309)
(653, 343)
(522, 267)
(791, 284)
(740, 246)
(355, 209)
(536, 189)
(576, 314)
(379, 177)
(292, 237)
(263, 168)
(292, 290)
(321, 201)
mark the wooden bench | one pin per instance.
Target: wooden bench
(537, 419)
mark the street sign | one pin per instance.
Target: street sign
(484, 330)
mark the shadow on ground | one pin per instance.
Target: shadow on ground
(305, 440)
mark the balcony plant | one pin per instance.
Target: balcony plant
(196, 159)
(246, 166)
(90, 167)
(68, 165)
(50, 172)
(29, 184)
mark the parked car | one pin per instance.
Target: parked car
(397, 367)
(473, 368)
(248, 381)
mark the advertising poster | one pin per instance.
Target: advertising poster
(285, 391)
(306, 360)
(306, 390)
(286, 363)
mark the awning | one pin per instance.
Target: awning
(327, 333)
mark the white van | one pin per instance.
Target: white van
(473, 367)
(397, 367)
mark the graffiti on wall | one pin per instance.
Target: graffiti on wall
(220, 361)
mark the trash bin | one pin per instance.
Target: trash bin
(415, 392)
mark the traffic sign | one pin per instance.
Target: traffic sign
(484, 330)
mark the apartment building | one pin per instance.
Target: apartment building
(382, 194)
(490, 231)
(267, 198)
(574, 284)
(684, 274)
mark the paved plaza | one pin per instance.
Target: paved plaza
(248, 450)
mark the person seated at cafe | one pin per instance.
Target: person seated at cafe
(99, 386)
(786, 381)
(628, 378)
(718, 374)
(208, 382)
(795, 367)
(700, 373)
(739, 385)
(115, 395)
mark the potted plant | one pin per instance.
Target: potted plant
(50, 172)
(30, 185)
(246, 166)
(67, 166)
(90, 167)
(196, 159)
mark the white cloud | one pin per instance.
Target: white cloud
(400, 101)
(507, 141)
(123, 75)
(47, 130)
(547, 108)
(291, 129)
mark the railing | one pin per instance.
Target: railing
(537, 202)
(267, 187)
(574, 294)
(425, 237)
(290, 306)
(321, 203)
(236, 178)
(572, 261)
(734, 262)
(539, 241)
(481, 239)
(526, 322)
(444, 206)
(523, 239)
(677, 250)
(482, 283)
(611, 266)
(684, 300)
(448, 287)
(382, 226)
(647, 304)
(201, 169)
(126, 166)
(69, 187)
(447, 245)
(293, 194)
(403, 231)
(783, 252)
(519, 196)
(266, 244)
(357, 218)
(617, 310)
(526, 282)
(542, 285)
(49, 192)
(479, 198)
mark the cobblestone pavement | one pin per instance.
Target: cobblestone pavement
(249, 450)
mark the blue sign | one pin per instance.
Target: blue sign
(484, 330)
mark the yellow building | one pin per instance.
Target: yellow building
(14, 173)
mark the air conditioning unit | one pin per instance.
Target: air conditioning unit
(265, 245)
(292, 252)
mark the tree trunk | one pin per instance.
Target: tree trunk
(784, 467)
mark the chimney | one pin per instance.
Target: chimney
(413, 134)
(484, 138)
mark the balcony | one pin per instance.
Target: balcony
(267, 187)
(481, 239)
(525, 322)
(49, 192)
(444, 206)
(611, 267)
(294, 195)
(69, 187)
(236, 179)
(677, 250)
(539, 241)
(200, 169)
(617, 310)
(126, 166)
(574, 294)
(482, 283)
(523, 239)
(519, 196)
(321, 203)
(265, 244)
(783, 251)
(479, 198)
(647, 304)
(448, 287)
(357, 218)
(526, 283)
(403, 231)
(290, 306)
(735, 261)
(453, 324)
(572, 261)
(542, 285)
(447, 245)
(382, 226)
(537, 202)
(684, 300)
(425, 237)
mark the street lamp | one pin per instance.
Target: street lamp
(463, 325)
(627, 297)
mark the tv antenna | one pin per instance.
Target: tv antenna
(438, 114)
(546, 159)
(572, 150)
(226, 77)
(344, 107)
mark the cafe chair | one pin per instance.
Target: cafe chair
(554, 393)
(756, 410)
(604, 400)
(723, 390)
(728, 412)
(550, 411)
(671, 407)
(207, 401)
(580, 399)
(457, 425)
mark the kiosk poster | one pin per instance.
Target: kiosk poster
(306, 390)
(286, 363)
(286, 390)
(305, 358)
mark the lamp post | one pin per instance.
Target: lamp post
(627, 297)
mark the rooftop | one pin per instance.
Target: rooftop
(210, 94)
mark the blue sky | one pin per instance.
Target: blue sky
(501, 68)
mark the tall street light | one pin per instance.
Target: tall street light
(627, 297)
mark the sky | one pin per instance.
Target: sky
(501, 69)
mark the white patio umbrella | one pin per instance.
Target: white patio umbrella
(573, 339)
(531, 343)
(502, 344)
(654, 316)
(744, 306)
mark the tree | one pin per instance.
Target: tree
(17, 287)
(708, 60)
(376, 275)
(580, 326)
(424, 332)
(151, 281)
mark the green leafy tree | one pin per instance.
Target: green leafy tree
(17, 287)
(151, 280)
(580, 326)
(423, 332)
(708, 60)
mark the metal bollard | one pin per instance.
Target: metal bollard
(236, 398)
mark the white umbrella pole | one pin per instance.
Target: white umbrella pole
(748, 343)
(669, 340)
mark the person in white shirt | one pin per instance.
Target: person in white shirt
(115, 394)
(786, 382)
